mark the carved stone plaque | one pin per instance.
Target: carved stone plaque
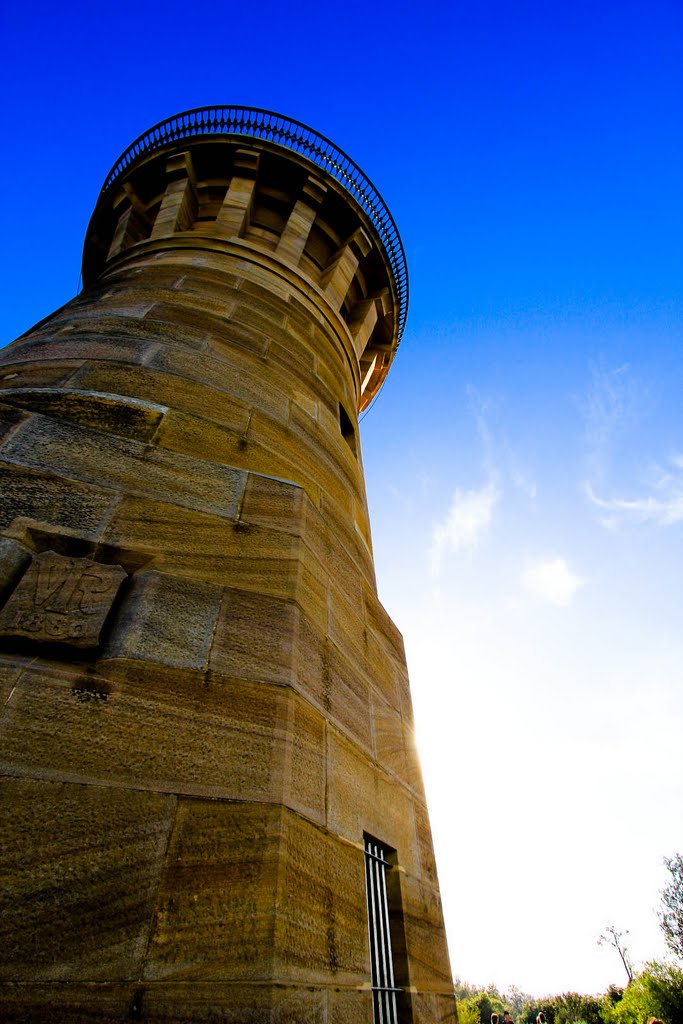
(61, 600)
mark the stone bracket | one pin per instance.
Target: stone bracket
(233, 219)
(179, 206)
(365, 315)
(338, 275)
(133, 223)
(295, 235)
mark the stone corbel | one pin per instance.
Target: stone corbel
(373, 369)
(295, 235)
(178, 209)
(132, 224)
(233, 219)
(367, 368)
(338, 275)
(365, 315)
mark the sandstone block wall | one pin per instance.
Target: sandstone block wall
(186, 782)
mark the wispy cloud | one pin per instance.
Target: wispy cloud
(481, 407)
(614, 401)
(499, 457)
(523, 483)
(552, 581)
(468, 517)
(662, 506)
(611, 402)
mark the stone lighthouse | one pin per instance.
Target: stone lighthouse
(212, 807)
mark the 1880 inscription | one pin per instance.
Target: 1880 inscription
(63, 600)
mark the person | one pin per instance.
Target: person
(507, 1019)
(494, 1018)
(541, 1018)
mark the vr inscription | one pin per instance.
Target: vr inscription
(63, 600)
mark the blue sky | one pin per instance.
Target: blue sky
(525, 458)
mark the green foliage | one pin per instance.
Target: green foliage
(531, 1010)
(468, 1013)
(515, 1001)
(463, 990)
(572, 1008)
(475, 1005)
(569, 1008)
(613, 995)
(671, 915)
(656, 992)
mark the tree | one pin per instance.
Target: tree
(515, 999)
(671, 915)
(617, 939)
(468, 1013)
(531, 1009)
(477, 1006)
(656, 992)
(572, 1008)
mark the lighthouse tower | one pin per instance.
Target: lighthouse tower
(212, 807)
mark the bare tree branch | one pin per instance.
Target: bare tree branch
(612, 937)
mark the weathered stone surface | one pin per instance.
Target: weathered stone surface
(430, 969)
(63, 346)
(61, 600)
(434, 1007)
(254, 638)
(273, 503)
(81, 869)
(179, 1002)
(325, 934)
(51, 498)
(10, 671)
(10, 419)
(389, 738)
(148, 727)
(167, 619)
(176, 391)
(305, 782)
(349, 697)
(361, 799)
(90, 456)
(36, 375)
(115, 414)
(254, 1004)
(207, 547)
(14, 559)
(226, 369)
(218, 893)
(187, 800)
(66, 1002)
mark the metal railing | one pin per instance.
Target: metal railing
(384, 990)
(283, 131)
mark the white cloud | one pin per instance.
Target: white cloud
(481, 406)
(524, 484)
(612, 401)
(552, 581)
(468, 517)
(663, 507)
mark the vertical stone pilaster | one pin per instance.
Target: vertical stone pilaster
(364, 316)
(132, 224)
(293, 239)
(233, 219)
(179, 206)
(338, 275)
